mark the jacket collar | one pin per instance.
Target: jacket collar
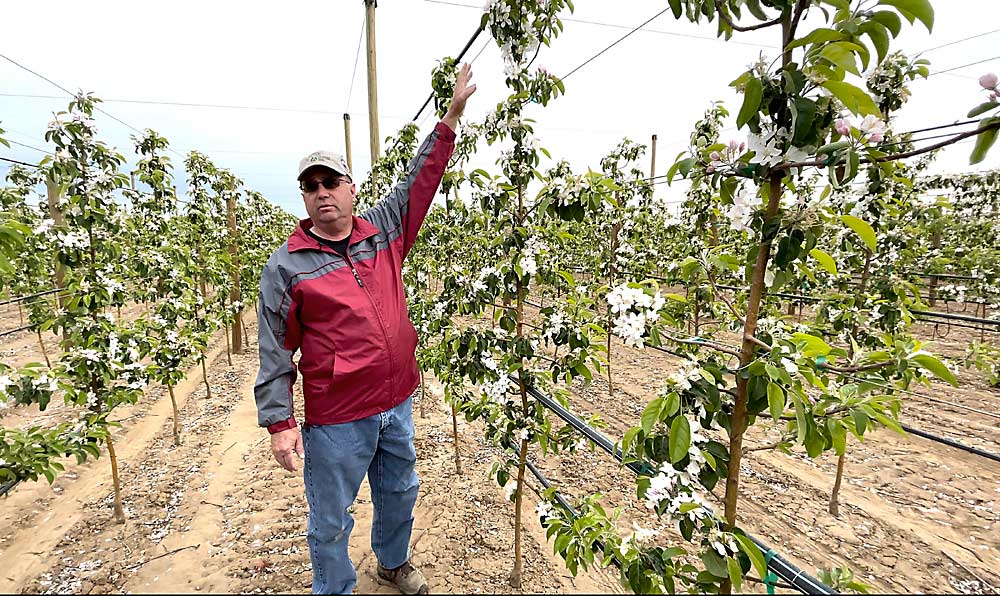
(300, 240)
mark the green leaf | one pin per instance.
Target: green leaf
(841, 55)
(735, 573)
(880, 39)
(680, 439)
(919, 9)
(889, 20)
(890, 423)
(935, 367)
(775, 401)
(814, 346)
(650, 415)
(752, 94)
(860, 422)
(753, 553)
(983, 108)
(820, 35)
(676, 8)
(825, 261)
(861, 228)
(838, 435)
(985, 140)
(853, 98)
(831, 147)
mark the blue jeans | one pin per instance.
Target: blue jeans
(336, 460)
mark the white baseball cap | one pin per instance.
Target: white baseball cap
(327, 159)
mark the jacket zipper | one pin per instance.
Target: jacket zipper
(381, 323)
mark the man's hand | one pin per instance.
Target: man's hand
(287, 447)
(463, 90)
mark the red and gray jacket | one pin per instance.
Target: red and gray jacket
(347, 315)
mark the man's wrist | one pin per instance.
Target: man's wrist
(451, 122)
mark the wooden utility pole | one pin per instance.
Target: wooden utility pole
(652, 158)
(372, 80)
(347, 142)
(234, 294)
(54, 192)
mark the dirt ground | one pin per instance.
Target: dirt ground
(216, 514)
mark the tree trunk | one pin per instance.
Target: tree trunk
(41, 344)
(177, 424)
(423, 396)
(517, 573)
(20, 315)
(835, 494)
(747, 349)
(246, 336)
(204, 374)
(454, 434)
(229, 345)
(119, 511)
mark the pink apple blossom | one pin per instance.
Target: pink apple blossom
(988, 81)
(843, 126)
(874, 128)
(715, 156)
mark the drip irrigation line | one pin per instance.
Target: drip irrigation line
(950, 443)
(468, 44)
(562, 502)
(922, 395)
(781, 566)
(962, 325)
(8, 486)
(619, 40)
(28, 297)
(13, 331)
(954, 317)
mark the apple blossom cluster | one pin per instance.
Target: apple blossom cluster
(740, 213)
(634, 310)
(888, 82)
(519, 28)
(527, 260)
(872, 128)
(768, 147)
(676, 488)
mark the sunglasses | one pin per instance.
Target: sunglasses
(328, 183)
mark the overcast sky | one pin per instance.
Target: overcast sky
(299, 58)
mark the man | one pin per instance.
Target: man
(334, 291)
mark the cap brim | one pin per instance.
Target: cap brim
(327, 165)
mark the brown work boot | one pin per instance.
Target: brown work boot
(406, 578)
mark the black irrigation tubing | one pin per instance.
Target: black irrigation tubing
(950, 324)
(927, 435)
(468, 44)
(953, 317)
(13, 331)
(951, 443)
(28, 297)
(562, 502)
(8, 486)
(800, 580)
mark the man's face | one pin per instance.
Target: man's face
(327, 207)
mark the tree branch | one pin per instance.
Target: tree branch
(726, 301)
(705, 343)
(897, 156)
(729, 21)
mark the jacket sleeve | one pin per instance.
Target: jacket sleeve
(277, 342)
(408, 203)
